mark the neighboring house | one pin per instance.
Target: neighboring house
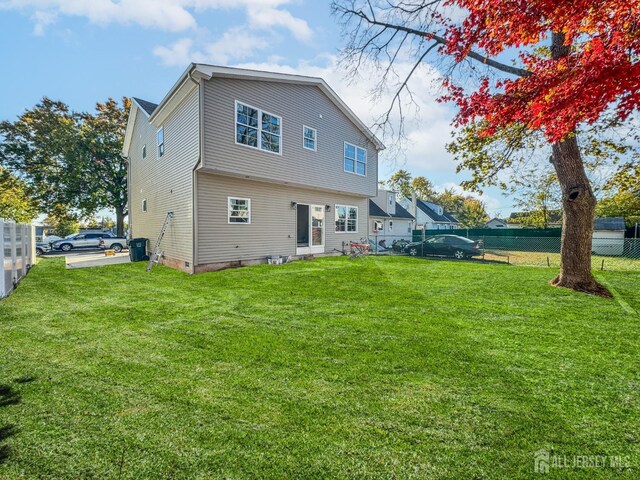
(43, 231)
(608, 236)
(389, 219)
(429, 216)
(252, 164)
(496, 223)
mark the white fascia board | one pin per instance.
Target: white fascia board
(131, 121)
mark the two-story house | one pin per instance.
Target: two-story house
(252, 164)
(429, 215)
(388, 219)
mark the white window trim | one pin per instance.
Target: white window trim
(260, 112)
(355, 160)
(335, 209)
(248, 200)
(144, 205)
(315, 139)
(158, 144)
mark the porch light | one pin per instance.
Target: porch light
(294, 205)
(327, 208)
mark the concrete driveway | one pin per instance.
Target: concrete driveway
(91, 258)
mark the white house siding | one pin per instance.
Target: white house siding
(272, 230)
(298, 105)
(401, 228)
(166, 182)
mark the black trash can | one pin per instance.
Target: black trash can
(138, 249)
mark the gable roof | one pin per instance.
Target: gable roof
(201, 70)
(609, 223)
(375, 210)
(147, 107)
(401, 212)
(445, 217)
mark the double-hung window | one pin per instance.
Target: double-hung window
(258, 129)
(239, 210)
(160, 141)
(355, 159)
(346, 219)
(309, 138)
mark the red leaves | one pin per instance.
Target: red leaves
(600, 71)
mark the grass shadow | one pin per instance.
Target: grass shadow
(8, 396)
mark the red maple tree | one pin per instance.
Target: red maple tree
(590, 66)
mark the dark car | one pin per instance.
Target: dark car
(446, 246)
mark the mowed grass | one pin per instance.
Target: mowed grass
(373, 368)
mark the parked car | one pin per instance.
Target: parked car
(113, 243)
(85, 240)
(399, 245)
(49, 239)
(42, 248)
(445, 245)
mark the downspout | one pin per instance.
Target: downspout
(194, 179)
(129, 222)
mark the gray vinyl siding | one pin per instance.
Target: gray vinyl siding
(166, 182)
(272, 230)
(298, 105)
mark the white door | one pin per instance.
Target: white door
(310, 229)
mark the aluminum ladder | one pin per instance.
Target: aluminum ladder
(155, 256)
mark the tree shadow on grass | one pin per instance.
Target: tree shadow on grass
(8, 396)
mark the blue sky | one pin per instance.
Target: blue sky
(83, 51)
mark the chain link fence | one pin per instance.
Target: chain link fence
(609, 252)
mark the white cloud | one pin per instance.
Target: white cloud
(42, 20)
(179, 53)
(168, 15)
(268, 18)
(235, 44)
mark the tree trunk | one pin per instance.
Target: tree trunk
(579, 205)
(119, 222)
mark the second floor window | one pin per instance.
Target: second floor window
(258, 129)
(160, 138)
(309, 138)
(355, 159)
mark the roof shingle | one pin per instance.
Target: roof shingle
(148, 107)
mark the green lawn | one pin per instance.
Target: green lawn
(374, 368)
